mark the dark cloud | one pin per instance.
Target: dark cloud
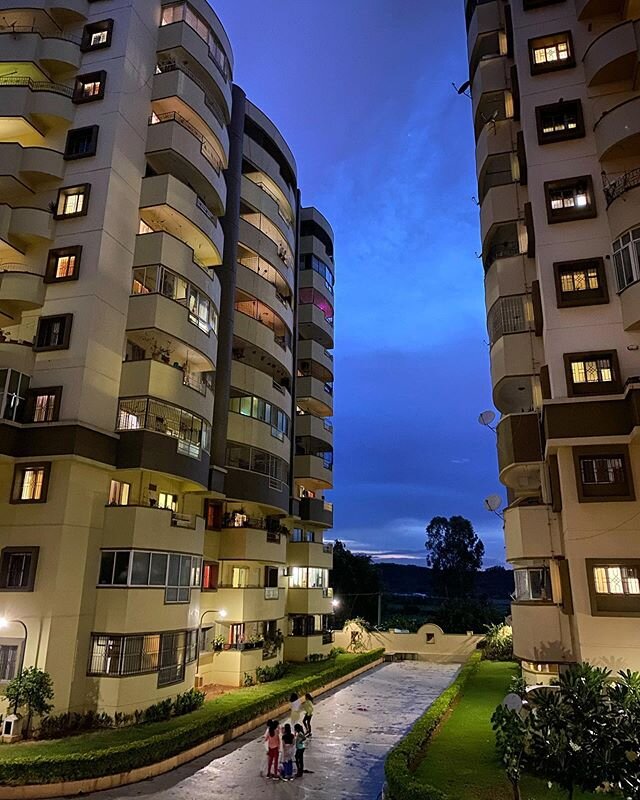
(361, 90)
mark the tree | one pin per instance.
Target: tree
(512, 732)
(32, 688)
(356, 581)
(454, 553)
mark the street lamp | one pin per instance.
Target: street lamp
(4, 623)
(221, 611)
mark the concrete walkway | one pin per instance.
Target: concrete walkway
(353, 729)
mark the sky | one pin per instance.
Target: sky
(362, 92)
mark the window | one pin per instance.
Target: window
(73, 201)
(239, 577)
(626, 258)
(592, 373)
(30, 483)
(308, 578)
(53, 333)
(81, 142)
(511, 314)
(97, 35)
(119, 493)
(192, 433)
(296, 535)
(14, 387)
(89, 87)
(532, 585)
(314, 297)
(551, 53)
(176, 573)
(614, 587)
(570, 199)
(173, 656)
(43, 404)
(63, 264)
(8, 661)
(210, 573)
(250, 458)
(18, 568)
(250, 406)
(166, 500)
(581, 283)
(559, 122)
(115, 655)
(182, 12)
(309, 261)
(603, 473)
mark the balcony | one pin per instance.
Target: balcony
(494, 140)
(253, 544)
(513, 359)
(256, 333)
(309, 554)
(319, 428)
(485, 19)
(315, 395)
(541, 633)
(309, 601)
(253, 283)
(297, 649)
(43, 103)
(310, 350)
(531, 532)
(315, 325)
(16, 353)
(22, 227)
(520, 451)
(618, 131)
(56, 51)
(501, 206)
(147, 528)
(251, 603)
(21, 289)
(260, 198)
(167, 204)
(154, 378)
(313, 471)
(508, 276)
(175, 146)
(30, 166)
(488, 91)
(318, 511)
(589, 9)
(265, 163)
(613, 56)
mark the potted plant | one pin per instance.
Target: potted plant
(218, 643)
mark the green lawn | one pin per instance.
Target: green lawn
(461, 758)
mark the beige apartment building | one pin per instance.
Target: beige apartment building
(166, 376)
(556, 113)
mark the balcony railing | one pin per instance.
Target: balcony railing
(206, 148)
(624, 183)
(206, 210)
(211, 104)
(268, 191)
(231, 520)
(23, 268)
(45, 33)
(36, 86)
(271, 593)
(506, 250)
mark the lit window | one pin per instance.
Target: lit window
(596, 371)
(570, 199)
(44, 407)
(72, 201)
(97, 35)
(99, 38)
(63, 264)
(30, 483)
(168, 501)
(532, 584)
(555, 52)
(551, 53)
(617, 580)
(119, 493)
(592, 373)
(89, 87)
(581, 283)
(580, 280)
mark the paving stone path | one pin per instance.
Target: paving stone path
(353, 729)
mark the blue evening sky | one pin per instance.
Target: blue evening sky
(361, 90)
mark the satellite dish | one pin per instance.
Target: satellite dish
(493, 502)
(486, 418)
(462, 89)
(513, 702)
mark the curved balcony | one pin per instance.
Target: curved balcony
(22, 227)
(310, 279)
(146, 528)
(169, 205)
(309, 601)
(257, 383)
(247, 430)
(179, 35)
(513, 359)
(154, 311)
(630, 305)
(253, 544)
(57, 53)
(319, 428)
(313, 324)
(508, 276)
(250, 330)
(163, 248)
(588, 9)
(259, 118)
(618, 131)
(20, 290)
(318, 512)
(541, 633)
(44, 103)
(614, 55)
(248, 604)
(260, 199)
(316, 396)
(494, 140)
(30, 166)
(264, 162)
(176, 147)
(177, 82)
(500, 206)
(310, 350)
(309, 554)
(166, 382)
(485, 19)
(64, 12)
(520, 451)
(531, 532)
(251, 282)
(313, 472)
(258, 241)
(16, 354)
(623, 200)
(491, 76)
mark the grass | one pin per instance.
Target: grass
(461, 758)
(233, 701)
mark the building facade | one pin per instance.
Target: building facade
(166, 326)
(556, 114)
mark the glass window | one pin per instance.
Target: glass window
(30, 484)
(532, 584)
(44, 407)
(119, 493)
(72, 201)
(140, 568)
(603, 470)
(592, 371)
(18, 567)
(626, 258)
(580, 280)
(617, 580)
(158, 569)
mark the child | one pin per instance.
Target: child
(307, 707)
(272, 738)
(300, 745)
(288, 750)
(295, 713)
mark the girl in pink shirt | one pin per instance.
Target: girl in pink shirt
(272, 738)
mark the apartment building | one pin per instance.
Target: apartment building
(166, 376)
(556, 114)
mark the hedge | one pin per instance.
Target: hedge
(406, 755)
(186, 732)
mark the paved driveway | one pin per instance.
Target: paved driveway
(354, 728)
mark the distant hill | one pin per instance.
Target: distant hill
(495, 582)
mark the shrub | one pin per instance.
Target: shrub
(59, 725)
(405, 756)
(498, 643)
(336, 651)
(158, 711)
(29, 767)
(267, 674)
(248, 679)
(187, 702)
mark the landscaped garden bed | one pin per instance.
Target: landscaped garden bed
(109, 752)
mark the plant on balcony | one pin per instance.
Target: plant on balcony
(218, 643)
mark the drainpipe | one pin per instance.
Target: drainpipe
(293, 501)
